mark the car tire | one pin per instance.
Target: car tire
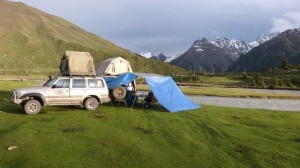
(119, 92)
(32, 107)
(91, 103)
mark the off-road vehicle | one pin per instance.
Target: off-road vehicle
(86, 91)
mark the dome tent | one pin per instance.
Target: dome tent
(114, 66)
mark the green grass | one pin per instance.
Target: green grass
(120, 137)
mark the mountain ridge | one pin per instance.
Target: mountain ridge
(221, 53)
(285, 46)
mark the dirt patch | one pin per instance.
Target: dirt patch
(296, 140)
(146, 131)
(45, 119)
(241, 150)
(71, 130)
(235, 117)
(99, 116)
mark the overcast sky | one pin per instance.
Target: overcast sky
(171, 26)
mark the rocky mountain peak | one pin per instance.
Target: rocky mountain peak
(263, 37)
(201, 42)
(233, 47)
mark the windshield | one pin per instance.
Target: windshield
(49, 83)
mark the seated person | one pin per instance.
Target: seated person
(148, 99)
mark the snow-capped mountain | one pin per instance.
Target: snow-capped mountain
(237, 47)
(285, 46)
(204, 56)
(263, 38)
(147, 54)
(218, 55)
(233, 47)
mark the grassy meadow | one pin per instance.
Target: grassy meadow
(279, 79)
(117, 136)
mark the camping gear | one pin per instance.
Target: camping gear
(121, 86)
(77, 63)
(164, 89)
(114, 66)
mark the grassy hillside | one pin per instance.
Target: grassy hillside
(32, 41)
(119, 137)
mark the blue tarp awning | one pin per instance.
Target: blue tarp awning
(169, 95)
(113, 82)
(164, 89)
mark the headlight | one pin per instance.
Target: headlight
(18, 94)
(15, 94)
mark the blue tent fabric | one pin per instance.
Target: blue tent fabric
(164, 89)
(113, 82)
(169, 95)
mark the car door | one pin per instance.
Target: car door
(59, 93)
(78, 90)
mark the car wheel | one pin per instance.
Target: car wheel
(91, 104)
(32, 107)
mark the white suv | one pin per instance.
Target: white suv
(84, 91)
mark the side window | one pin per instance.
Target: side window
(62, 83)
(95, 83)
(79, 83)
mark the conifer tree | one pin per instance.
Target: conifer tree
(276, 82)
(280, 83)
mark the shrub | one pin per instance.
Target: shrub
(253, 83)
(280, 83)
(290, 84)
(245, 75)
(259, 80)
(276, 82)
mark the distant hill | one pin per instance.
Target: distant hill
(204, 56)
(161, 57)
(34, 41)
(270, 54)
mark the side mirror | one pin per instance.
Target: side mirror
(53, 86)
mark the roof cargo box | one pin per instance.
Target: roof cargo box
(77, 63)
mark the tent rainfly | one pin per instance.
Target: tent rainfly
(114, 66)
(77, 63)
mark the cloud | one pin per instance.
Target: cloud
(289, 20)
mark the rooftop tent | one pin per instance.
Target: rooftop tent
(77, 63)
(168, 94)
(114, 66)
